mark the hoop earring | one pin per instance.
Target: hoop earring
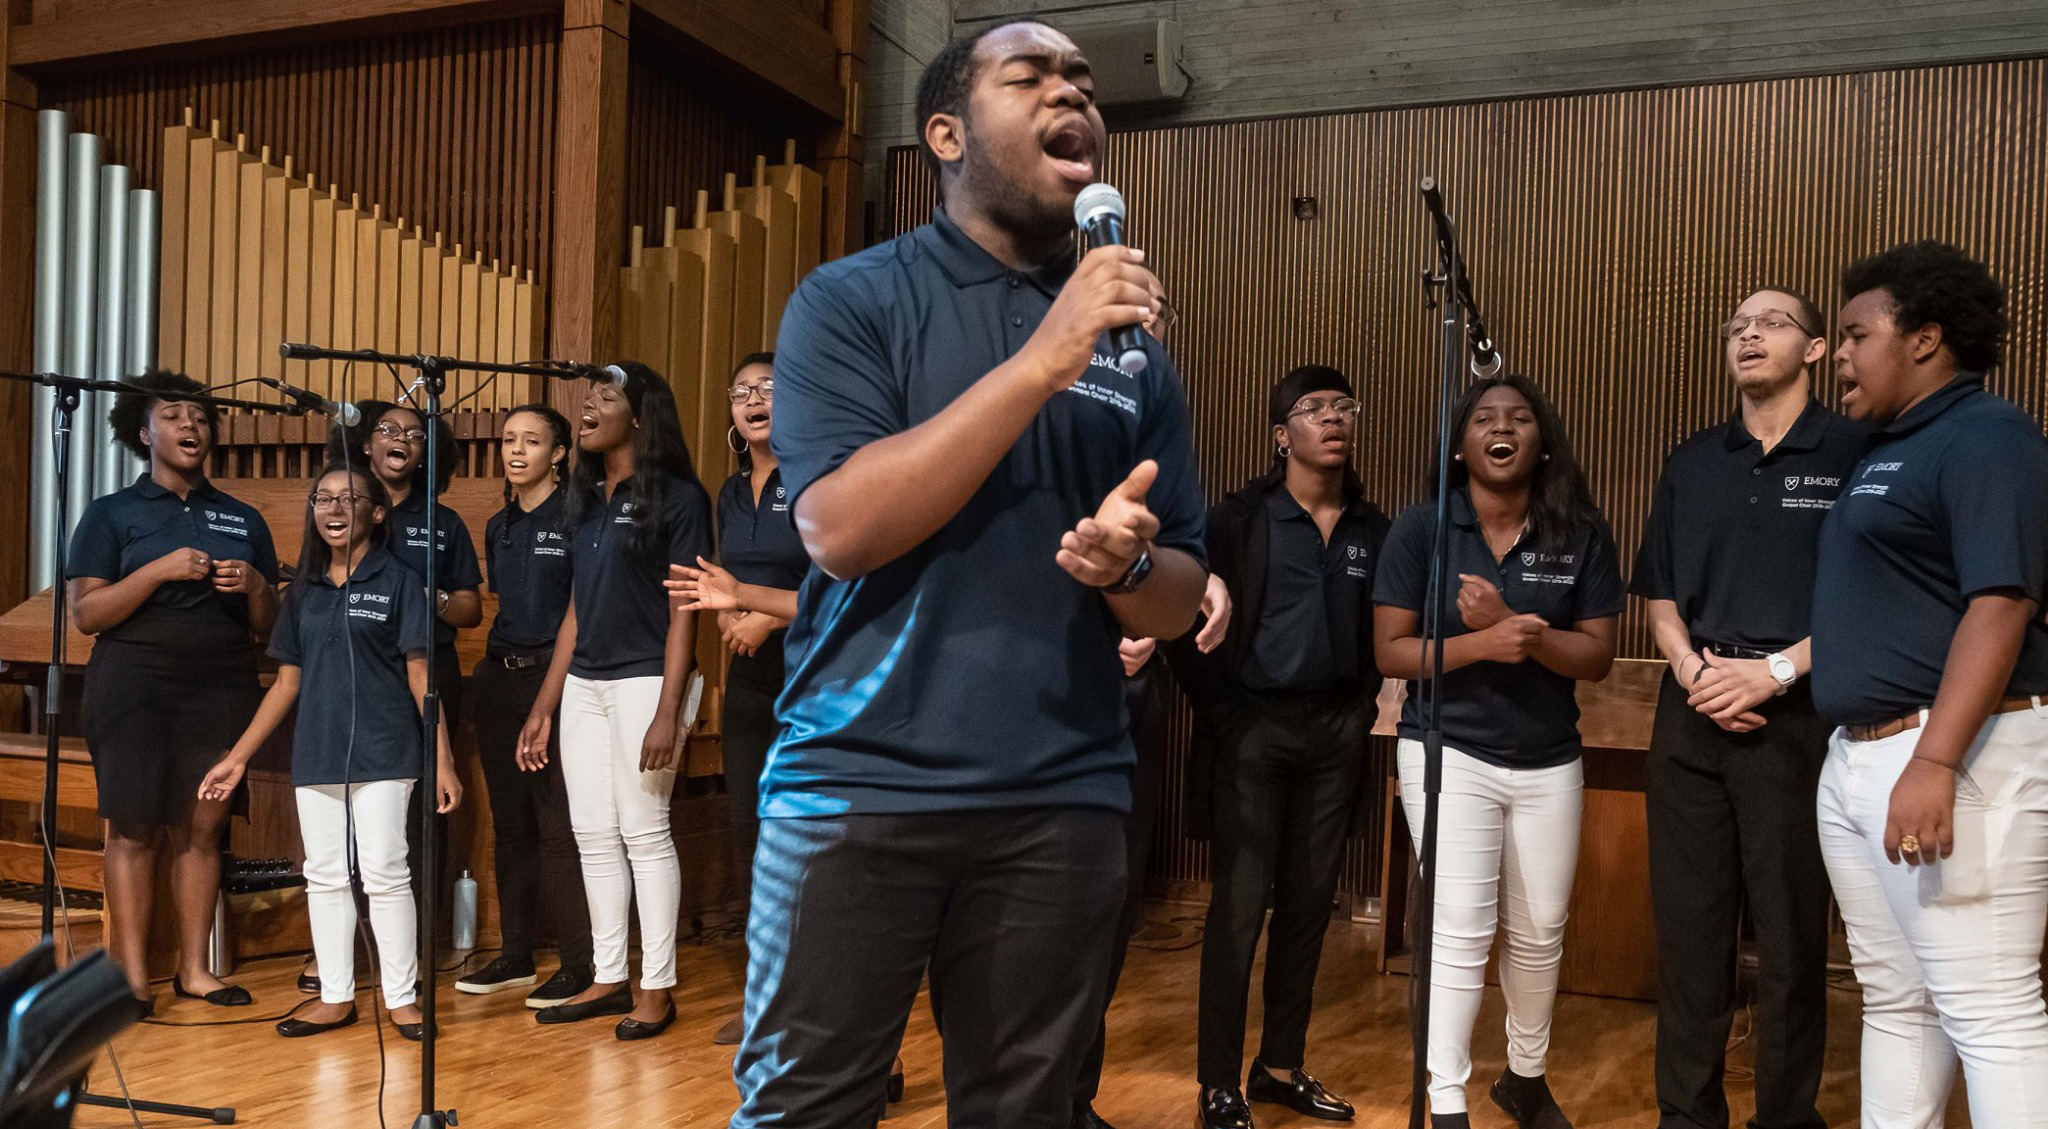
(733, 442)
(1286, 452)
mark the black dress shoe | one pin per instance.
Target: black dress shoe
(145, 1006)
(630, 1029)
(1300, 1093)
(1223, 1109)
(300, 1028)
(231, 995)
(1528, 1101)
(1087, 1118)
(618, 1001)
(411, 1031)
(895, 1091)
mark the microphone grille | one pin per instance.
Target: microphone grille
(615, 376)
(1097, 200)
(350, 414)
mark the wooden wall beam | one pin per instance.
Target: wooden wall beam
(842, 146)
(187, 28)
(590, 176)
(17, 303)
(774, 40)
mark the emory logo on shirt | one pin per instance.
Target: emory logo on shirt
(780, 506)
(1100, 361)
(1877, 489)
(378, 615)
(1793, 482)
(1530, 560)
(541, 548)
(1357, 570)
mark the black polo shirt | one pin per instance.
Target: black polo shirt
(621, 607)
(972, 672)
(123, 531)
(1517, 715)
(527, 555)
(1306, 639)
(357, 718)
(455, 567)
(1734, 530)
(1951, 501)
(759, 544)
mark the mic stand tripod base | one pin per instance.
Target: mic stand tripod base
(221, 1115)
(434, 1120)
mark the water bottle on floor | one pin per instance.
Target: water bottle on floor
(465, 912)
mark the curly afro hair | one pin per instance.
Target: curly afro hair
(1934, 283)
(129, 416)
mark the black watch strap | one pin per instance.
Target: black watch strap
(1133, 576)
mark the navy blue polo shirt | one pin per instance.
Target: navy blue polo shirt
(357, 718)
(972, 672)
(758, 544)
(527, 555)
(123, 531)
(621, 607)
(1306, 639)
(1734, 530)
(1517, 715)
(455, 567)
(1950, 502)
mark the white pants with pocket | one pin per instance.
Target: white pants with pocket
(1949, 953)
(1507, 850)
(620, 816)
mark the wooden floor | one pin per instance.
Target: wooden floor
(498, 1068)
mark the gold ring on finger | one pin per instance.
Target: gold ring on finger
(1910, 844)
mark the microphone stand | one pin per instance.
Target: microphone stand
(69, 391)
(1449, 289)
(433, 381)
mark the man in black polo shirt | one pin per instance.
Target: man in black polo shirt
(991, 503)
(1930, 653)
(1726, 566)
(1286, 697)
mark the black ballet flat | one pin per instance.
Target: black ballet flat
(630, 1029)
(145, 1006)
(309, 983)
(412, 1031)
(618, 1001)
(232, 995)
(895, 1086)
(300, 1028)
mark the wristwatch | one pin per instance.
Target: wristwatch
(1133, 576)
(1782, 670)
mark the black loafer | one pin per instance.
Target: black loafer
(1528, 1101)
(630, 1029)
(411, 1031)
(1300, 1093)
(231, 995)
(618, 1001)
(1223, 1109)
(1087, 1118)
(300, 1028)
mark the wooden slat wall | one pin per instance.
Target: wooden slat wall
(1607, 235)
(685, 132)
(449, 128)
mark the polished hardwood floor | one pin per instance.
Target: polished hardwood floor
(498, 1068)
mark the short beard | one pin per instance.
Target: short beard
(1005, 200)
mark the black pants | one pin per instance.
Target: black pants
(751, 686)
(1146, 697)
(537, 863)
(1287, 771)
(448, 688)
(1013, 911)
(1732, 825)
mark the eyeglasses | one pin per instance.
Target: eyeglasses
(1770, 321)
(1344, 406)
(741, 393)
(341, 501)
(408, 434)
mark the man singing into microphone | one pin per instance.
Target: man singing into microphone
(991, 502)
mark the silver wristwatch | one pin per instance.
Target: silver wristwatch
(1782, 670)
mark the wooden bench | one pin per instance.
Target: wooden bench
(22, 770)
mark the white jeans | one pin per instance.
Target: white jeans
(1949, 954)
(379, 807)
(1500, 831)
(620, 815)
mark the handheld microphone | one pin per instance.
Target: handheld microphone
(1099, 210)
(340, 411)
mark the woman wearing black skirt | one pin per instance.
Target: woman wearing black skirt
(753, 590)
(526, 549)
(175, 579)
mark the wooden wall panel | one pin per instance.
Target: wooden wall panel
(450, 128)
(1608, 234)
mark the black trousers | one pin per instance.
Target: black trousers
(537, 862)
(1146, 697)
(1013, 911)
(1287, 771)
(751, 686)
(1732, 825)
(449, 689)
